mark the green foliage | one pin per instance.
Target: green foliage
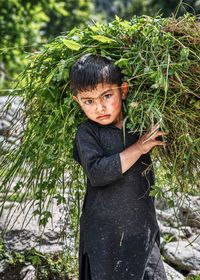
(1, 249)
(168, 238)
(193, 278)
(20, 25)
(67, 14)
(25, 25)
(55, 266)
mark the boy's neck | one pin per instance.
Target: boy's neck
(119, 124)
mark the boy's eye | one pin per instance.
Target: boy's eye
(88, 102)
(107, 96)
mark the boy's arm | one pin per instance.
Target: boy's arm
(103, 170)
(145, 143)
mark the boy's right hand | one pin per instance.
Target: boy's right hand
(147, 141)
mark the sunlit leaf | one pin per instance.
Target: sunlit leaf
(72, 45)
(102, 39)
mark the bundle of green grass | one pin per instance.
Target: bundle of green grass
(160, 60)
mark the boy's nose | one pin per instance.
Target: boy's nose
(100, 107)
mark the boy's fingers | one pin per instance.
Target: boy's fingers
(155, 126)
(153, 129)
(161, 143)
(156, 133)
(161, 133)
(153, 136)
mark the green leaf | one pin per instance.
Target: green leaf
(94, 28)
(122, 62)
(184, 53)
(102, 39)
(51, 75)
(72, 45)
(60, 8)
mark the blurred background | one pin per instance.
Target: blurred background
(25, 25)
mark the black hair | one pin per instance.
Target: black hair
(90, 70)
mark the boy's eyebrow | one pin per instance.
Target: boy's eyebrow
(82, 98)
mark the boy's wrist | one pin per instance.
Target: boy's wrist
(139, 147)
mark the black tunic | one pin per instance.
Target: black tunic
(118, 225)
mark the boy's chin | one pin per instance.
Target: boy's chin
(102, 121)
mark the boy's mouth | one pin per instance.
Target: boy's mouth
(103, 117)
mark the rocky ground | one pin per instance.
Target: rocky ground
(180, 237)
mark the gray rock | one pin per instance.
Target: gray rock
(189, 212)
(195, 238)
(3, 266)
(187, 231)
(22, 240)
(4, 124)
(172, 233)
(28, 273)
(168, 217)
(19, 240)
(19, 216)
(22, 231)
(14, 103)
(172, 274)
(184, 255)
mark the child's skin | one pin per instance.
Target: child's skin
(103, 105)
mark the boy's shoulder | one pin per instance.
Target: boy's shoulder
(86, 132)
(87, 127)
(87, 124)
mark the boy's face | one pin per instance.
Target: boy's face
(103, 104)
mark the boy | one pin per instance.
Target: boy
(119, 235)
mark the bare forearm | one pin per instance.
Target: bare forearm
(129, 156)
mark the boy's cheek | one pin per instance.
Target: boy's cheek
(116, 105)
(86, 111)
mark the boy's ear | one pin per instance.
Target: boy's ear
(75, 99)
(124, 88)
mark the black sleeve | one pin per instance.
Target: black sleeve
(101, 170)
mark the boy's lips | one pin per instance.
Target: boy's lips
(103, 117)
